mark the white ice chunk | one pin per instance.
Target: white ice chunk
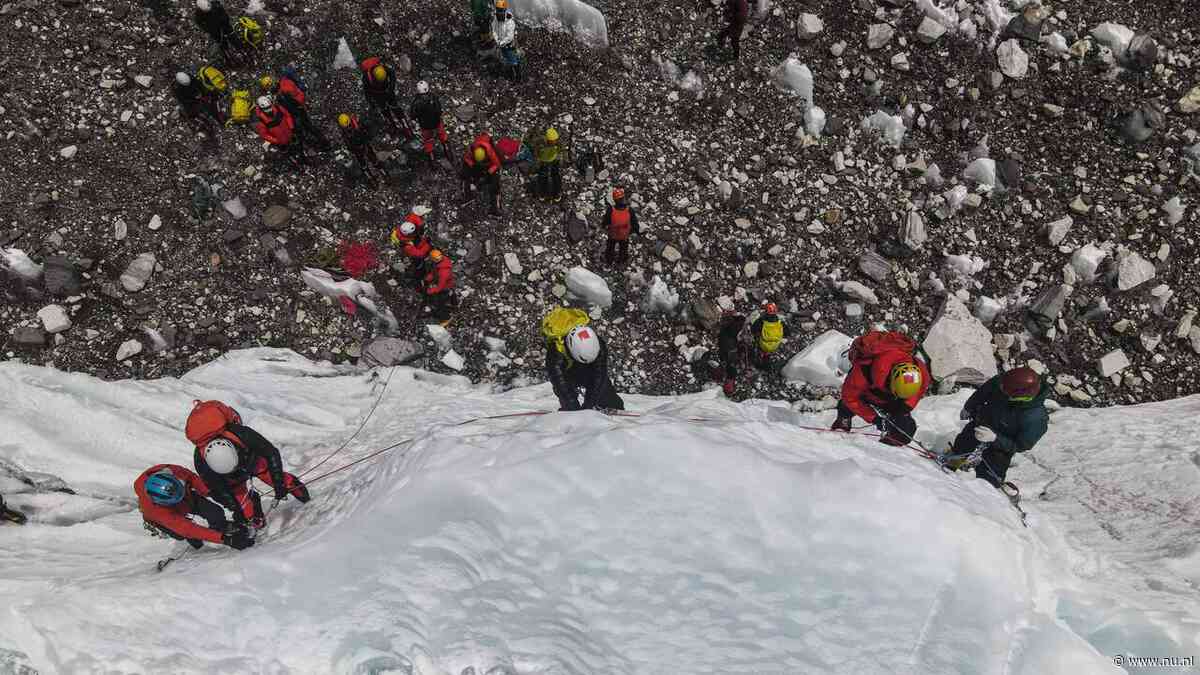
(583, 21)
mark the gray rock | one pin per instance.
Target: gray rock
(1184, 327)
(670, 253)
(1024, 28)
(1133, 270)
(513, 263)
(930, 31)
(390, 351)
(231, 236)
(128, 349)
(276, 217)
(61, 277)
(959, 345)
(585, 284)
(1013, 60)
(706, 312)
(54, 318)
(912, 232)
(1142, 52)
(1194, 339)
(234, 208)
(138, 272)
(1113, 363)
(878, 35)
(465, 113)
(1056, 231)
(25, 337)
(859, 292)
(1050, 304)
(577, 227)
(809, 26)
(875, 266)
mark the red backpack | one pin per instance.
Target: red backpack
(208, 420)
(866, 347)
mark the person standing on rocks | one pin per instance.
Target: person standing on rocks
(1005, 416)
(359, 141)
(549, 167)
(620, 220)
(737, 12)
(768, 334)
(426, 110)
(481, 16)
(199, 106)
(439, 285)
(729, 349)
(289, 91)
(212, 18)
(410, 236)
(580, 361)
(229, 454)
(274, 124)
(887, 380)
(379, 88)
(481, 170)
(169, 495)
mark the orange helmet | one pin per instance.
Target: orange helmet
(771, 309)
(618, 194)
(435, 255)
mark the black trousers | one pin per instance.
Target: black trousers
(615, 245)
(899, 424)
(439, 303)
(993, 464)
(549, 179)
(733, 33)
(210, 511)
(305, 126)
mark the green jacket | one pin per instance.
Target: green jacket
(481, 9)
(549, 154)
(1018, 426)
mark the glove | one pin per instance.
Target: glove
(841, 424)
(237, 538)
(984, 435)
(964, 414)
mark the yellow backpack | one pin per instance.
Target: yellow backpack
(772, 336)
(559, 322)
(212, 80)
(240, 107)
(249, 31)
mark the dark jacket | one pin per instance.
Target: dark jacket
(358, 135)
(728, 344)
(737, 11)
(252, 447)
(426, 110)
(1018, 426)
(215, 22)
(567, 377)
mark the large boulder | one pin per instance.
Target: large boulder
(135, 276)
(959, 345)
(660, 299)
(588, 286)
(820, 363)
(61, 277)
(390, 351)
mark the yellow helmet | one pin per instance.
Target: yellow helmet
(906, 380)
(344, 120)
(379, 73)
(480, 154)
(266, 82)
(552, 135)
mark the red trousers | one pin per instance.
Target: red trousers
(252, 507)
(427, 135)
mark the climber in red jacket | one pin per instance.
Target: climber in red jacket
(885, 383)
(168, 495)
(439, 285)
(275, 125)
(411, 238)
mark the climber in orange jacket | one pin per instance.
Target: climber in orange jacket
(275, 125)
(887, 380)
(168, 495)
(439, 285)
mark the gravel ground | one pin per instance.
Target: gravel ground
(801, 215)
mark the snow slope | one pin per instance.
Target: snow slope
(700, 537)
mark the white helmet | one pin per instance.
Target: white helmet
(408, 229)
(422, 87)
(583, 344)
(221, 456)
(183, 79)
(264, 102)
(203, 5)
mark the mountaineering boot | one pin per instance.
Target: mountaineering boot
(300, 492)
(729, 387)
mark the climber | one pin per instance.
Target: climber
(767, 333)
(481, 170)
(212, 18)
(548, 167)
(736, 14)
(620, 220)
(199, 106)
(439, 285)
(426, 109)
(275, 126)
(358, 138)
(504, 32)
(1005, 416)
(8, 515)
(169, 494)
(290, 92)
(730, 348)
(410, 236)
(228, 454)
(886, 381)
(379, 88)
(580, 361)
(481, 16)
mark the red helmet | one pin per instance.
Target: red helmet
(618, 194)
(1021, 384)
(771, 309)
